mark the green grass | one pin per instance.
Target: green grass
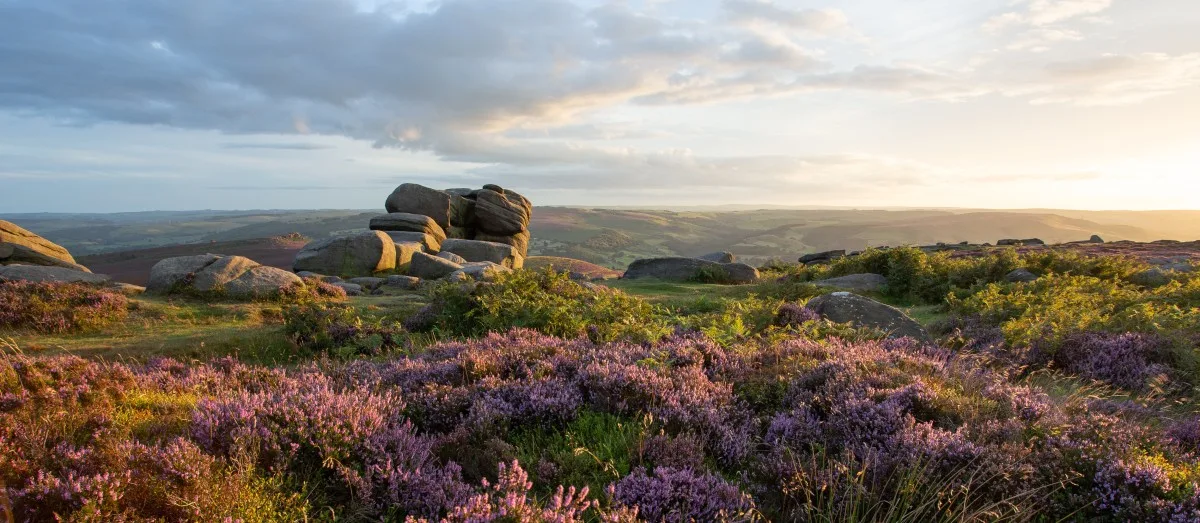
(194, 329)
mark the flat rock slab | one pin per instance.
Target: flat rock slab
(19, 246)
(408, 222)
(479, 251)
(845, 307)
(42, 273)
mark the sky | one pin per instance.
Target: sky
(130, 105)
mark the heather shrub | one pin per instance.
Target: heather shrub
(547, 301)
(57, 308)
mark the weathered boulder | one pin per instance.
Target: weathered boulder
(501, 213)
(261, 282)
(822, 257)
(49, 273)
(19, 246)
(176, 272)
(462, 211)
(865, 282)
(447, 255)
(408, 222)
(739, 273)
(1020, 276)
(429, 242)
(1096, 239)
(417, 199)
(690, 269)
(361, 253)
(213, 274)
(428, 267)
(844, 307)
(719, 257)
(476, 251)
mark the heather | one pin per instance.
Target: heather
(533, 427)
(51, 308)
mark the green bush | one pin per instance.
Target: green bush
(546, 301)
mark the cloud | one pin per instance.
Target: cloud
(822, 21)
(1111, 79)
(286, 146)
(1042, 13)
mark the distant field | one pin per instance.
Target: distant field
(610, 238)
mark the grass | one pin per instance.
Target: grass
(197, 330)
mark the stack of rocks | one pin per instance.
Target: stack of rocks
(491, 214)
(431, 234)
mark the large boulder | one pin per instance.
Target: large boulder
(690, 269)
(429, 242)
(361, 253)
(417, 199)
(501, 213)
(478, 251)
(217, 275)
(19, 246)
(408, 222)
(844, 307)
(48, 273)
(719, 257)
(428, 267)
(865, 282)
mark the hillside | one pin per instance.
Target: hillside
(615, 237)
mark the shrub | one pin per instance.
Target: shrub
(547, 301)
(56, 308)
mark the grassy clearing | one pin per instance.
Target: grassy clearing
(193, 329)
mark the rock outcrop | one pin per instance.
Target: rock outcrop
(691, 269)
(844, 307)
(217, 275)
(19, 246)
(362, 253)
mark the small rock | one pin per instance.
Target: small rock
(1020, 276)
(403, 282)
(368, 282)
(719, 257)
(351, 289)
(1096, 239)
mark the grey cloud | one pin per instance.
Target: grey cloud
(297, 146)
(815, 20)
